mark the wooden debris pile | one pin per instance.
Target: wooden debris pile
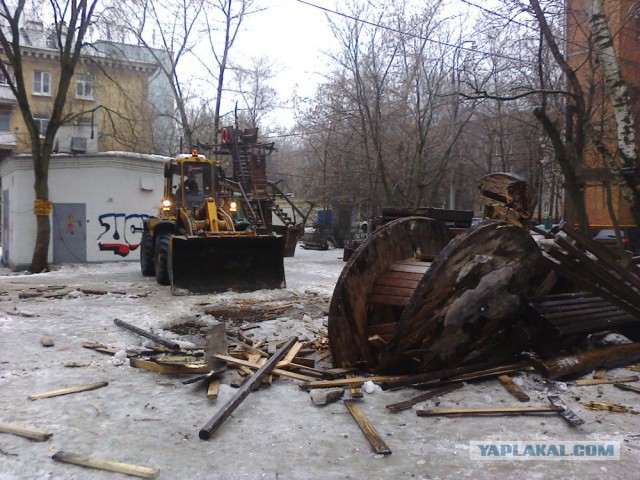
(416, 298)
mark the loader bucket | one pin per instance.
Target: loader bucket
(218, 264)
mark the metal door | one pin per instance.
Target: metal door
(69, 233)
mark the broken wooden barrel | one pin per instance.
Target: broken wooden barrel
(459, 309)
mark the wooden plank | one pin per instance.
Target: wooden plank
(291, 354)
(275, 371)
(467, 372)
(37, 435)
(423, 397)
(219, 418)
(68, 390)
(213, 388)
(622, 386)
(346, 382)
(109, 465)
(486, 411)
(513, 388)
(388, 300)
(187, 368)
(374, 438)
(396, 291)
(397, 282)
(397, 267)
(393, 275)
(602, 381)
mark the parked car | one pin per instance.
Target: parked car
(630, 239)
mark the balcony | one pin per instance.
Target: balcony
(6, 95)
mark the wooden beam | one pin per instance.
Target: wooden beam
(37, 435)
(219, 418)
(101, 464)
(68, 390)
(374, 438)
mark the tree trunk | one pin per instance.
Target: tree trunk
(620, 100)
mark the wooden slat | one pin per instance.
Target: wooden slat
(413, 261)
(275, 371)
(213, 388)
(376, 441)
(68, 390)
(601, 381)
(37, 435)
(398, 282)
(402, 275)
(395, 291)
(109, 465)
(388, 300)
(396, 267)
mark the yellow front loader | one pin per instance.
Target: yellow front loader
(200, 242)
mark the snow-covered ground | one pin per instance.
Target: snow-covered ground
(149, 419)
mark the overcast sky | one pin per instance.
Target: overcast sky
(294, 35)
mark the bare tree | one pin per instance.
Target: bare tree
(72, 20)
(232, 14)
(252, 86)
(169, 31)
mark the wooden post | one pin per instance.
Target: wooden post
(244, 390)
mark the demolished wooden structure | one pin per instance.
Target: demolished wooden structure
(416, 297)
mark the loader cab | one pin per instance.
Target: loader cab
(190, 180)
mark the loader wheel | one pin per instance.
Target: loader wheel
(162, 259)
(146, 255)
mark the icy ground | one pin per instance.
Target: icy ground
(149, 419)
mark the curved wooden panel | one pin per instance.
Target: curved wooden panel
(349, 313)
(462, 308)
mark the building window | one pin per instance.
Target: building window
(84, 87)
(5, 120)
(41, 83)
(42, 121)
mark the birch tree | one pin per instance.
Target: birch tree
(627, 172)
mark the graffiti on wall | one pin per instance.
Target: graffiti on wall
(122, 233)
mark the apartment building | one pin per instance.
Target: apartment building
(108, 105)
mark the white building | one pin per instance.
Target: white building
(99, 202)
